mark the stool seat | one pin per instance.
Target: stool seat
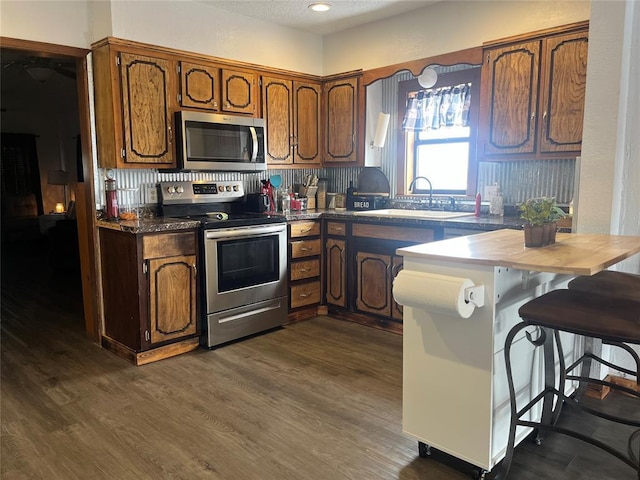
(608, 282)
(613, 319)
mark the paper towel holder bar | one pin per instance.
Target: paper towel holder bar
(474, 295)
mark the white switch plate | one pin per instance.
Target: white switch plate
(152, 194)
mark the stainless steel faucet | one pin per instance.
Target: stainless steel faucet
(413, 183)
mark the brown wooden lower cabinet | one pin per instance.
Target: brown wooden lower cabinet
(336, 274)
(305, 253)
(150, 293)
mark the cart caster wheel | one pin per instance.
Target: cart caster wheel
(424, 450)
(479, 474)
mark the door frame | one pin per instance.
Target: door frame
(85, 191)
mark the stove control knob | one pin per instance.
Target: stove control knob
(171, 189)
(236, 188)
(179, 189)
(228, 188)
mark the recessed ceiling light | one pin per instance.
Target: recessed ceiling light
(319, 7)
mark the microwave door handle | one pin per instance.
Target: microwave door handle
(254, 137)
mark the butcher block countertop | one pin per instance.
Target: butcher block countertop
(573, 253)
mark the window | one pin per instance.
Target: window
(446, 153)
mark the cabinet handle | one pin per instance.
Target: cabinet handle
(305, 231)
(304, 270)
(544, 116)
(303, 295)
(215, 104)
(195, 269)
(170, 135)
(306, 249)
(533, 116)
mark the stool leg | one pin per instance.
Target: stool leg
(503, 470)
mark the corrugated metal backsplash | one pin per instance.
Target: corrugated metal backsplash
(518, 180)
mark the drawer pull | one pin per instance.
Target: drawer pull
(304, 270)
(306, 249)
(303, 295)
(306, 231)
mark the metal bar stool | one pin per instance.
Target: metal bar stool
(612, 283)
(613, 320)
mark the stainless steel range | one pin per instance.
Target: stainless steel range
(243, 259)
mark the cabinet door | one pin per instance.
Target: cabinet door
(341, 101)
(199, 86)
(277, 111)
(172, 297)
(396, 308)
(306, 108)
(238, 92)
(373, 283)
(564, 81)
(148, 88)
(336, 272)
(509, 98)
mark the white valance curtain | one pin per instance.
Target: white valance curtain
(438, 108)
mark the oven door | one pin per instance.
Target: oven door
(245, 265)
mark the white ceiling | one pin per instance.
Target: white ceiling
(343, 14)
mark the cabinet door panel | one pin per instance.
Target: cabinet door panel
(341, 121)
(373, 283)
(336, 272)
(563, 93)
(306, 104)
(396, 308)
(172, 297)
(512, 93)
(199, 86)
(146, 83)
(276, 107)
(238, 92)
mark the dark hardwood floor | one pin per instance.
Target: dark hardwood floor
(317, 400)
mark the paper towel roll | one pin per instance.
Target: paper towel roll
(433, 292)
(381, 130)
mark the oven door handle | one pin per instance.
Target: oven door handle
(244, 232)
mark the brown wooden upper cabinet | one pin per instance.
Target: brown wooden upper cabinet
(135, 99)
(239, 92)
(200, 86)
(292, 111)
(218, 89)
(532, 100)
(341, 100)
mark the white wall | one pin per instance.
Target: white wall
(196, 27)
(60, 22)
(442, 28)
(180, 24)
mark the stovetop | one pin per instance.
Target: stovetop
(222, 220)
(213, 204)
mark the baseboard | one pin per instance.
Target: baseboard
(624, 382)
(153, 355)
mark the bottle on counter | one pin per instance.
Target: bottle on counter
(111, 193)
(478, 205)
(286, 203)
(496, 207)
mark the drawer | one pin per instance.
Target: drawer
(305, 269)
(390, 232)
(168, 244)
(305, 294)
(304, 229)
(305, 248)
(336, 228)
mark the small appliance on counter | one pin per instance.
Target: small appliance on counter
(372, 192)
(258, 202)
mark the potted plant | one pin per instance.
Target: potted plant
(541, 215)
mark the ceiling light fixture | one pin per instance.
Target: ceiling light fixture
(41, 74)
(428, 77)
(320, 7)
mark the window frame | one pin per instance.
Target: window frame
(406, 140)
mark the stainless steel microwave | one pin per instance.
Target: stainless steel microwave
(218, 142)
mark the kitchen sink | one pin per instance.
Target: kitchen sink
(424, 214)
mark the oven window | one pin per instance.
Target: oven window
(247, 262)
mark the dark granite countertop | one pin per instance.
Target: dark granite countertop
(149, 225)
(482, 223)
